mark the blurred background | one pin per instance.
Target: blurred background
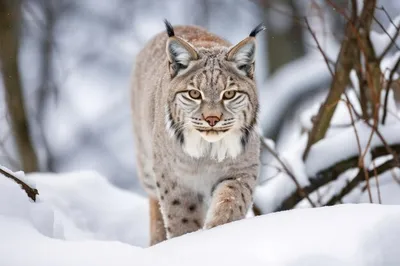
(75, 59)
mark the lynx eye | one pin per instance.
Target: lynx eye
(229, 95)
(195, 94)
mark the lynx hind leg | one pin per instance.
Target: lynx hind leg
(157, 229)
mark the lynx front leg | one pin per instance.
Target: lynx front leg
(231, 198)
(182, 209)
(157, 229)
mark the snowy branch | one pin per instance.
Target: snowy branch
(31, 192)
(332, 173)
(360, 178)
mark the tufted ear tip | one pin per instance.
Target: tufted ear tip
(169, 28)
(259, 28)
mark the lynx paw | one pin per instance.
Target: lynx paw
(223, 212)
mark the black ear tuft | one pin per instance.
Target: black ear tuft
(169, 28)
(260, 27)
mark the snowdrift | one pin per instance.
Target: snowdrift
(80, 219)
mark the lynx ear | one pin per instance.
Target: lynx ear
(243, 53)
(179, 52)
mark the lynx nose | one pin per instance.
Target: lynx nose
(212, 120)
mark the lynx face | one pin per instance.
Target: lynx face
(213, 103)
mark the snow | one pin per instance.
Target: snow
(39, 234)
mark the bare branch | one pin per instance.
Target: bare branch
(327, 61)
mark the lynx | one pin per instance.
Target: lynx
(195, 106)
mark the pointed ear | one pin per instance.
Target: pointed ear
(243, 53)
(179, 52)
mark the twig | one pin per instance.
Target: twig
(319, 46)
(388, 86)
(392, 39)
(362, 154)
(378, 190)
(287, 170)
(361, 159)
(267, 179)
(387, 33)
(382, 8)
(380, 136)
(386, 145)
(31, 192)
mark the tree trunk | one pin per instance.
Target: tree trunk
(10, 19)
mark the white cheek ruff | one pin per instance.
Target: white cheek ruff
(227, 146)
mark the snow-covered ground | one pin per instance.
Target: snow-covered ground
(82, 219)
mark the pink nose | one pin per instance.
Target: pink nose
(212, 120)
